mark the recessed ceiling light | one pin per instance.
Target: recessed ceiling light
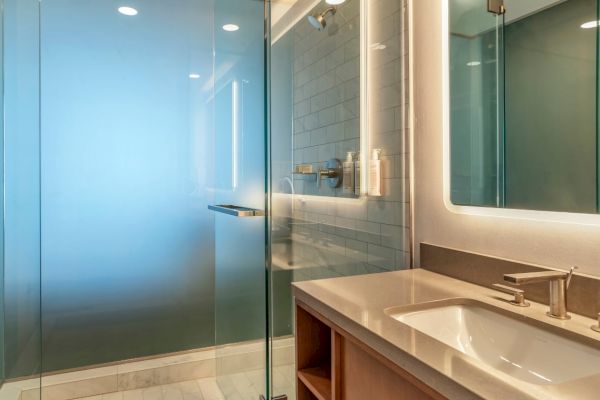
(335, 2)
(129, 11)
(194, 76)
(474, 63)
(590, 24)
(230, 27)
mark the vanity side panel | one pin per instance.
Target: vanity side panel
(363, 376)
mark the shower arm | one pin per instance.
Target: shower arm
(331, 10)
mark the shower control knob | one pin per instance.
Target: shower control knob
(332, 173)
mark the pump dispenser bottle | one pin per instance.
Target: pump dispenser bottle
(357, 174)
(348, 178)
(375, 173)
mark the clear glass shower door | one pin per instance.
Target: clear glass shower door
(20, 370)
(240, 199)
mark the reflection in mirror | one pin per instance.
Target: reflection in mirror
(475, 104)
(523, 105)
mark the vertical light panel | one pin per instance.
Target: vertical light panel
(365, 144)
(235, 126)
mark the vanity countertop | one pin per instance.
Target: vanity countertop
(357, 303)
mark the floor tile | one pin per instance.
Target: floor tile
(210, 390)
(137, 394)
(153, 393)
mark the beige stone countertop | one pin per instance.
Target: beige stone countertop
(357, 304)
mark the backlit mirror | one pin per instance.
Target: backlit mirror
(523, 104)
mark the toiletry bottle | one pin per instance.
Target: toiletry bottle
(375, 173)
(348, 178)
(357, 174)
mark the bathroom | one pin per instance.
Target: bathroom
(300, 199)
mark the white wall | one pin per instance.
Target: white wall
(550, 243)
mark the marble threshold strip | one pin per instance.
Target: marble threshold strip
(143, 373)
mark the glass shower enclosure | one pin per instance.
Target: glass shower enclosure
(153, 216)
(130, 130)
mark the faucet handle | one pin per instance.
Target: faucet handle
(573, 268)
(519, 294)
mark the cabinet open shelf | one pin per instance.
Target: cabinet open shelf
(318, 381)
(314, 357)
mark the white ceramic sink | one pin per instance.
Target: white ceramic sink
(514, 347)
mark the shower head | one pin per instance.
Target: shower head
(318, 20)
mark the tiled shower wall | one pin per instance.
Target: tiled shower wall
(326, 92)
(335, 236)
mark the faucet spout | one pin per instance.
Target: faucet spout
(559, 283)
(534, 277)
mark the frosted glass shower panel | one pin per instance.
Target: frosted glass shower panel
(128, 241)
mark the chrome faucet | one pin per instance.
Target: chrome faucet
(559, 283)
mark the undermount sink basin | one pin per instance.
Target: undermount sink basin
(514, 347)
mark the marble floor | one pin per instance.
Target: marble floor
(284, 380)
(200, 389)
(240, 386)
(248, 385)
(185, 376)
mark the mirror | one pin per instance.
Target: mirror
(523, 105)
(316, 97)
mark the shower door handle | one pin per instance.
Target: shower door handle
(237, 211)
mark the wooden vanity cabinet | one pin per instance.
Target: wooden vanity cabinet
(331, 364)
